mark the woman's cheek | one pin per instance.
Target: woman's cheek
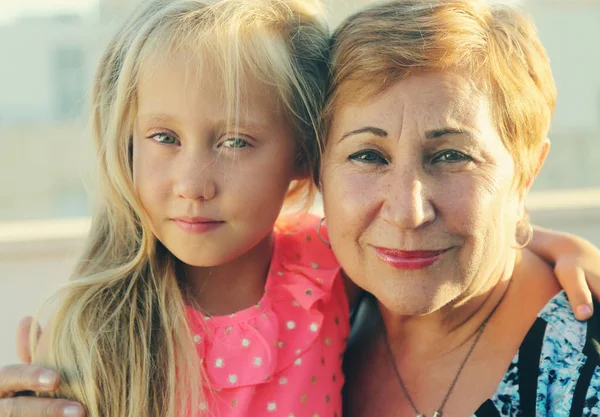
(349, 196)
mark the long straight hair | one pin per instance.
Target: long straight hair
(120, 337)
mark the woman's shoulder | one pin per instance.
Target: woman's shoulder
(557, 368)
(561, 326)
(569, 359)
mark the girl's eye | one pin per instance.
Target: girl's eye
(451, 156)
(368, 157)
(235, 143)
(165, 139)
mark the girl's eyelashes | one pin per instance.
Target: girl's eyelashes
(165, 138)
(234, 143)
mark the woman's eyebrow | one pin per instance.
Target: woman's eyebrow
(436, 133)
(367, 129)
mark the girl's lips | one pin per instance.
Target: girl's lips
(197, 226)
(402, 259)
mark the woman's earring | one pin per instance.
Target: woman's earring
(319, 232)
(524, 234)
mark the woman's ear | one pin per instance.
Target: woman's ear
(522, 194)
(542, 154)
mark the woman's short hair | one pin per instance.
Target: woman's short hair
(498, 44)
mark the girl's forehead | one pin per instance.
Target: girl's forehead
(180, 92)
(198, 80)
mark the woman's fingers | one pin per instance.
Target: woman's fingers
(573, 279)
(16, 378)
(23, 346)
(39, 407)
(19, 378)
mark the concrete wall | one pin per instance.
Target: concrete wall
(37, 257)
(46, 150)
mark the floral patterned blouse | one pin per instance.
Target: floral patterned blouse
(556, 371)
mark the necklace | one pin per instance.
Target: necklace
(440, 409)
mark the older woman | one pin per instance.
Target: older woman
(436, 130)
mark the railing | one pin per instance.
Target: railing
(36, 257)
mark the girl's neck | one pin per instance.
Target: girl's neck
(231, 287)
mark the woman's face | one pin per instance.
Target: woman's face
(418, 193)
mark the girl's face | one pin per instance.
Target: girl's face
(211, 191)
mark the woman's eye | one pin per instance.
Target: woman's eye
(235, 143)
(368, 157)
(451, 156)
(164, 138)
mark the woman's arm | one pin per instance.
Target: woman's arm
(576, 264)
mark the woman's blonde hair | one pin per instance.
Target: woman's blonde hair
(381, 45)
(120, 336)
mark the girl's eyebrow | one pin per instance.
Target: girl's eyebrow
(247, 123)
(242, 123)
(367, 129)
(155, 118)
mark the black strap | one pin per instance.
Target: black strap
(592, 351)
(581, 389)
(592, 337)
(529, 366)
(487, 409)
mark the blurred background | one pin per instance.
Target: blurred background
(49, 50)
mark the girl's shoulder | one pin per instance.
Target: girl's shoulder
(300, 244)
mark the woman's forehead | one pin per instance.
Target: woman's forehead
(446, 98)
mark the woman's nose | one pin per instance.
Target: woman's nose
(407, 205)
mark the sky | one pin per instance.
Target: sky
(11, 9)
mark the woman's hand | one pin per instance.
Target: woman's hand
(576, 265)
(19, 381)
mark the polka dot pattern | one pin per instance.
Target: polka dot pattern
(280, 357)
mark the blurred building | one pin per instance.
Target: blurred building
(48, 66)
(46, 160)
(570, 30)
(49, 63)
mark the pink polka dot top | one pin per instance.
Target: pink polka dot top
(283, 356)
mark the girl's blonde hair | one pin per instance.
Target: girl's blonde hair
(495, 44)
(120, 336)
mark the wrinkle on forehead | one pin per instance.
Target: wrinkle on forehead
(421, 103)
(457, 99)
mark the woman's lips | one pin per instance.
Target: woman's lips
(402, 259)
(197, 225)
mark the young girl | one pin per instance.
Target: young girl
(190, 299)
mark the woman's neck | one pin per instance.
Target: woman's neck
(231, 287)
(452, 326)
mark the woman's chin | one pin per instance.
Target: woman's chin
(412, 303)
